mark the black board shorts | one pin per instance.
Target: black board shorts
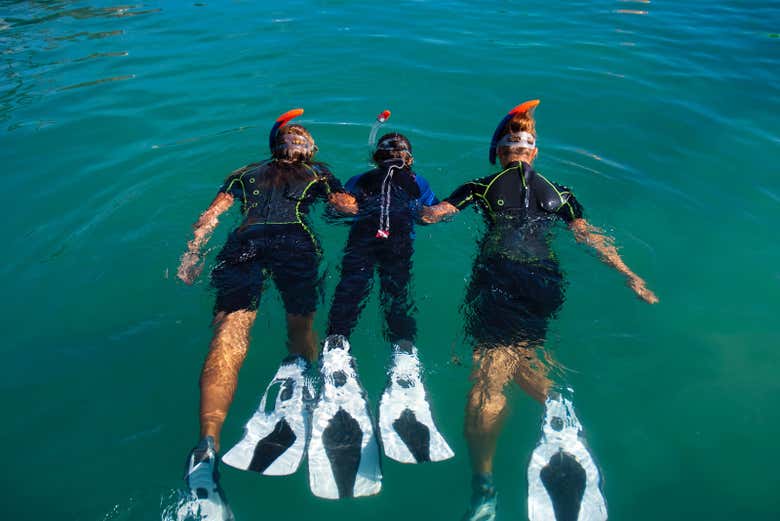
(510, 302)
(287, 254)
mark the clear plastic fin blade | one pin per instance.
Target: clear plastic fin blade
(274, 441)
(409, 434)
(563, 480)
(343, 451)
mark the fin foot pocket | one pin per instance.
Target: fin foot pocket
(484, 499)
(207, 500)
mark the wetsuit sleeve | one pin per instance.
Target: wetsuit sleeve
(330, 182)
(570, 207)
(351, 185)
(234, 185)
(427, 197)
(466, 193)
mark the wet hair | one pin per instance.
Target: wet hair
(523, 122)
(293, 150)
(393, 146)
(293, 143)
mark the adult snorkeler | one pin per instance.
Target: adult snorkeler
(343, 453)
(273, 241)
(516, 287)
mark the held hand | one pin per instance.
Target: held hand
(435, 213)
(190, 267)
(428, 216)
(343, 202)
(638, 285)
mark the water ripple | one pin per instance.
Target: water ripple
(98, 82)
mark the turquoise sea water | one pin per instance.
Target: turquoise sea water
(118, 123)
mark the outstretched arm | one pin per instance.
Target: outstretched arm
(343, 202)
(437, 212)
(191, 264)
(595, 238)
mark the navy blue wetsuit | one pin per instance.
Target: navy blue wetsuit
(275, 239)
(516, 285)
(391, 256)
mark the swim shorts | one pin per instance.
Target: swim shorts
(509, 302)
(286, 254)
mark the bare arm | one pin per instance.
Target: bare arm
(437, 212)
(343, 202)
(595, 238)
(191, 264)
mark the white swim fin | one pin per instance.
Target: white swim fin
(205, 499)
(409, 434)
(275, 440)
(343, 450)
(563, 480)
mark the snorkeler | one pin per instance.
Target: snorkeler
(516, 287)
(389, 199)
(274, 241)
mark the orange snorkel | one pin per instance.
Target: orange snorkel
(523, 108)
(280, 122)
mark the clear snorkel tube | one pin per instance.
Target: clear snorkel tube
(380, 120)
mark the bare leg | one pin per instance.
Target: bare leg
(531, 374)
(219, 377)
(301, 337)
(486, 407)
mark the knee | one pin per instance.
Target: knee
(234, 322)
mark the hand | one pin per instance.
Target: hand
(190, 267)
(428, 216)
(638, 285)
(435, 213)
(343, 202)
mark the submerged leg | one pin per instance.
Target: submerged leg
(301, 339)
(531, 373)
(395, 277)
(357, 272)
(485, 413)
(486, 405)
(219, 377)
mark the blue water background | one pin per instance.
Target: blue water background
(118, 123)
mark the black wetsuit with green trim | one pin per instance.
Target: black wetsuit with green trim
(516, 284)
(275, 239)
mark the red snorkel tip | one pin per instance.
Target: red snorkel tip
(280, 122)
(287, 116)
(383, 116)
(526, 106)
